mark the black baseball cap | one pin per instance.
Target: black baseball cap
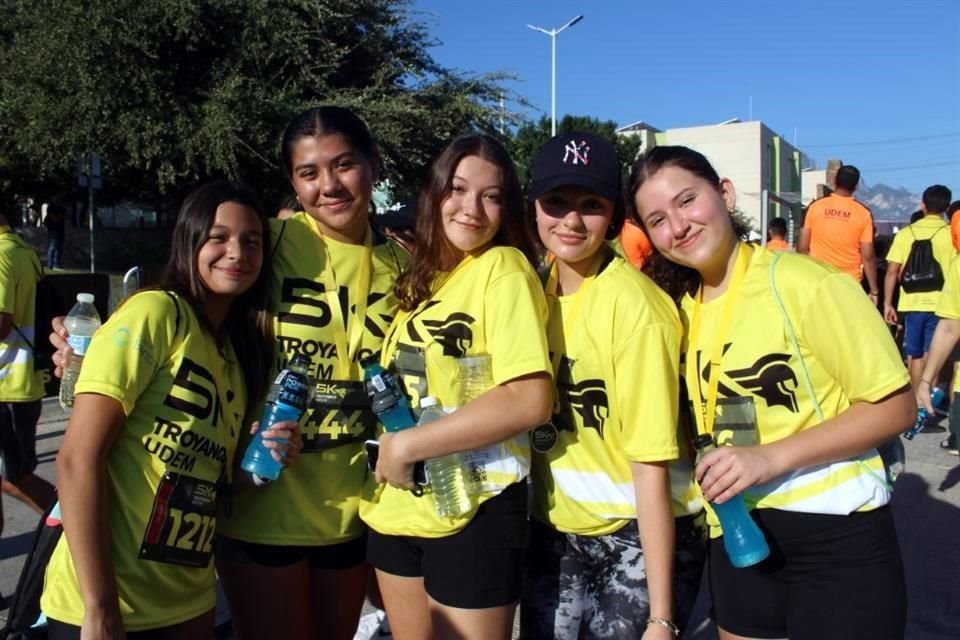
(578, 158)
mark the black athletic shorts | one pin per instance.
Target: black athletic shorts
(478, 567)
(18, 438)
(827, 578)
(57, 630)
(344, 555)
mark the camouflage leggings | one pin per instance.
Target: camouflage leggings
(579, 587)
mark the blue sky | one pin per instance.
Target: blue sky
(875, 83)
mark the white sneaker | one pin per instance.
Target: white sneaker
(371, 626)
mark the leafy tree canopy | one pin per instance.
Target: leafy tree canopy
(170, 92)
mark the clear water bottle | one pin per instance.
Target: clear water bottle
(446, 474)
(286, 401)
(386, 397)
(476, 378)
(936, 397)
(81, 323)
(742, 538)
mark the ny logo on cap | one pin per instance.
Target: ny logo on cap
(577, 153)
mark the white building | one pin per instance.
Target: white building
(753, 156)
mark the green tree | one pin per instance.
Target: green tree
(532, 134)
(171, 92)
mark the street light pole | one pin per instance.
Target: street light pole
(553, 68)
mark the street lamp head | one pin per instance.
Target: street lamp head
(573, 22)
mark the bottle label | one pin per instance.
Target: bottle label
(181, 526)
(79, 344)
(294, 389)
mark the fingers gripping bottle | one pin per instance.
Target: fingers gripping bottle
(936, 397)
(286, 401)
(81, 323)
(386, 397)
(445, 473)
(742, 538)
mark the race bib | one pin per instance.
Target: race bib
(182, 522)
(339, 414)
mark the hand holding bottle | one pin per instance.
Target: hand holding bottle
(725, 472)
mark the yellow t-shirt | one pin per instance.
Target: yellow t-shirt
(948, 306)
(615, 343)
(762, 397)
(184, 403)
(20, 271)
(315, 502)
(934, 227)
(491, 304)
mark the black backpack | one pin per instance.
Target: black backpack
(921, 271)
(25, 603)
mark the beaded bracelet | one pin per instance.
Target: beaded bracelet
(674, 629)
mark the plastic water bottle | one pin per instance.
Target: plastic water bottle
(386, 397)
(742, 538)
(81, 323)
(445, 473)
(936, 397)
(476, 378)
(287, 400)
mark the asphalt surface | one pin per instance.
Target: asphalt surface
(926, 508)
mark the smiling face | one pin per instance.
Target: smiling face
(572, 223)
(688, 218)
(230, 259)
(471, 211)
(334, 182)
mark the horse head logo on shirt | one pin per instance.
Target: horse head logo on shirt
(770, 378)
(453, 333)
(587, 397)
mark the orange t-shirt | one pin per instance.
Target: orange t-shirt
(778, 244)
(955, 229)
(837, 225)
(636, 245)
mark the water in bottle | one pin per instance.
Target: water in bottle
(286, 401)
(742, 538)
(936, 397)
(81, 323)
(386, 397)
(476, 378)
(445, 474)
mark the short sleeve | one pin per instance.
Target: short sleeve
(948, 304)
(128, 350)
(647, 368)
(8, 289)
(867, 234)
(851, 341)
(899, 247)
(515, 312)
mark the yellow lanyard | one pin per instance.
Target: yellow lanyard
(553, 284)
(348, 336)
(692, 374)
(393, 336)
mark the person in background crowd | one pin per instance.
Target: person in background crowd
(918, 309)
(777, 235)
(21, 389)
(56, 224)
(787, 363)
(838, 230)
(953, 217)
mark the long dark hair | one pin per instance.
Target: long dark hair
(676, 279)
(432, 246)
(247, 324)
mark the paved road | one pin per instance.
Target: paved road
(926, 506)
